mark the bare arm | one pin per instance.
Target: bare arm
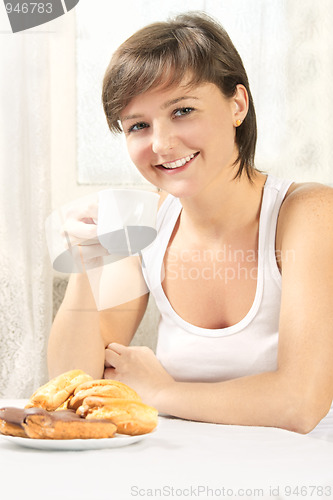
(299, 393)
(80, 332)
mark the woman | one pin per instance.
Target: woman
(246, 294)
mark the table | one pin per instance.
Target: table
(182, 459)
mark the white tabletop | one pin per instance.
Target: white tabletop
(182, 459)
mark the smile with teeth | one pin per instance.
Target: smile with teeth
(179, 163)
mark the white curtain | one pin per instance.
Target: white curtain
(25, 271)
(309, 88)
(287, 49)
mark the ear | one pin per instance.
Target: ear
(241, 104)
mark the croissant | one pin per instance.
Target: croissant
(130, 417)
(105, 388)
(55, 392)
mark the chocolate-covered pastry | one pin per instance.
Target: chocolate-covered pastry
(66, 424)
(38, 423)
(11, 421)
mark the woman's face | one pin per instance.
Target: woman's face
(181, 139)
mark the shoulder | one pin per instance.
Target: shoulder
(300, 193)
(306, 201)
(306, 212)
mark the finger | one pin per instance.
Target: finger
(82, 208)
(111, 358)
(79, 231)
(118, 348)
(110, 373)
(71, 240)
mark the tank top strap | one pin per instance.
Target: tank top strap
(275, 192)
(170, 208)
(152, 256)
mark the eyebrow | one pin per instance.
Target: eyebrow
(164, 106)
(178, 99)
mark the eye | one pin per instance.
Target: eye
(183, 111)
(137, 126)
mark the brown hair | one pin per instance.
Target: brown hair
(166, 52)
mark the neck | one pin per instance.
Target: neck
(224, 208)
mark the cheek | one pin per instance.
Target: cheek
(223, 134)
(136, 152)
(194, 135)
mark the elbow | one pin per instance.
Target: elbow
(304, 415)
(303, 424)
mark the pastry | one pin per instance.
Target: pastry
(74, 406)
(38, 423)
(65, 404)
(105, 388)
(11, 420)
(55, 392)
(130, 417)
(66, 424)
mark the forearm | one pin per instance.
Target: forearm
(75, 339)
(75, 343)
(258, 400)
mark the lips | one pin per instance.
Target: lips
(178, 163)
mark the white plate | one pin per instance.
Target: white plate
(118, 441)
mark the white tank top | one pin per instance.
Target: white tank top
(191, 353)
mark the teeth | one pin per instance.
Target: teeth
(178, 163)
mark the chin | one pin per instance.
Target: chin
(182, 192)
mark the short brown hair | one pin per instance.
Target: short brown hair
(166, 52)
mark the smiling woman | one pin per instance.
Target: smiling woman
(183, 149)
(185, 52)
(240, 339)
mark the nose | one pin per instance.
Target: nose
(163, 139)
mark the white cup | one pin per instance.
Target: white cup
(126, 220)
(126, 224)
